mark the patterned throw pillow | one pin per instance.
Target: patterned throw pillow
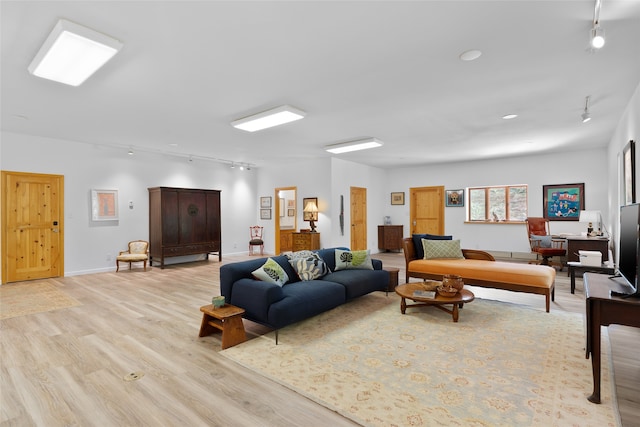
(271, 272)
(309, 265)
(442, 249)
(353, 260)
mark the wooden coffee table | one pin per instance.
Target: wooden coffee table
(457, 301)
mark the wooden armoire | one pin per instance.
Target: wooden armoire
(183, 221)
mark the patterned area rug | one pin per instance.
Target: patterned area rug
(500, 365)
(20, 299)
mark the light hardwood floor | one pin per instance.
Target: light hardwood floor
(68, 367)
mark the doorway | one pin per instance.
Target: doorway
(32, 226)
(427, 210)
(358, 218)
(286, 215)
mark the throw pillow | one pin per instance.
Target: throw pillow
(308, 265)
(545, 241)
(271, 272)
(442, 249)
(417, 242)
(353, 260)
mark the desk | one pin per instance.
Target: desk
(584, 243)
(602, 309)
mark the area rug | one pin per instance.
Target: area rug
(501, 365)
(20, 299)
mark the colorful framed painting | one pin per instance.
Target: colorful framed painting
(104, 205)
(397, 198)
(454, 198)
(629, 174)
(563, 202)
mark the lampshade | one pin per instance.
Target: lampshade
(270, 118)
(72, 53)
(311, 208)
(590, 216)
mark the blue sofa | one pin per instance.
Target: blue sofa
(276, 306)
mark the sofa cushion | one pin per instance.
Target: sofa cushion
(308, 265)
(359, 282)
(417, 242)
(434, 249)
(545, 241)
(353, 260)
(271, 272)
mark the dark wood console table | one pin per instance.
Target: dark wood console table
(602, 309)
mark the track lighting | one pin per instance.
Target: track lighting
(596, 35)
(586, 116)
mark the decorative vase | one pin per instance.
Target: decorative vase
(217, 301)
(453, 281)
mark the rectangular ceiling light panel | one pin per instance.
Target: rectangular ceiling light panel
(361, 144)
(270, 118)
(72, 53)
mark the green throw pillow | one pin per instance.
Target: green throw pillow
(271, 272)
(309, 265)
(353, 260)
(441, 249)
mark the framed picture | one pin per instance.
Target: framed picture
(104, 205)
(454, 198)
(629, 174)
(265, 213)
(397, 198)
(291, 212)
(265, 202)
(281, 207)
(308, 216)
(563, 202)
(291, 204)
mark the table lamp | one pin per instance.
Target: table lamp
(312, 210)
(591, 217)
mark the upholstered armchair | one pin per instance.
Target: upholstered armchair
(543, 244)
(138, 252)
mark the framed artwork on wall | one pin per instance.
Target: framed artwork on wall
(104, 205)
(454, 198)
(397, 198)
(265, 202)
(265, 213)
(629, 174)
(291, 212)
(563, 202)
(281, 206)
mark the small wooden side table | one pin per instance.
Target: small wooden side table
(575, 267)
(227, 319)
(393, 278)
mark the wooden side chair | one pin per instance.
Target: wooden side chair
(543, 244)
(138, 252)
(256, 239)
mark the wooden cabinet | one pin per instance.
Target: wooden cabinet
(183, 221)
(307, 240)
(286, 243)
(390, 237)
(580, 243)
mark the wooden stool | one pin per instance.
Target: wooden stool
(393, 278)
(227, 319)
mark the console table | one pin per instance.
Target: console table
(602, 309)
(584, 243)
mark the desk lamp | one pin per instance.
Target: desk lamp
(312, 210)
(592, 217)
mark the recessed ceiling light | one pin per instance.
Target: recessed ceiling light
(509, 116)
(470, 55)
(270, 118)
(360, 144)
(72, 53)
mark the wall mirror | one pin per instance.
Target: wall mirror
(286, 216)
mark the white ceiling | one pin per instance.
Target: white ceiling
(385, 69)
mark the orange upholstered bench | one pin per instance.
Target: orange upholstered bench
(479, 268)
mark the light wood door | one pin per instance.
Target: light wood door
(32, 226)
(427, 210)
(358, 218)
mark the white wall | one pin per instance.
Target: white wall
(89, 244)
(628, 129)
(535, 171)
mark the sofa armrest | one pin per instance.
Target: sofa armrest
(255, 296)
(476, 254)
(377, 264)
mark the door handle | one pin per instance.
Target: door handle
(414, 222)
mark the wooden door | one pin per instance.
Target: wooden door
(427, 210)
(32, 226)
(358, 218)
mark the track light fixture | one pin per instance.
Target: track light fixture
(596, 35)
(586, 116)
